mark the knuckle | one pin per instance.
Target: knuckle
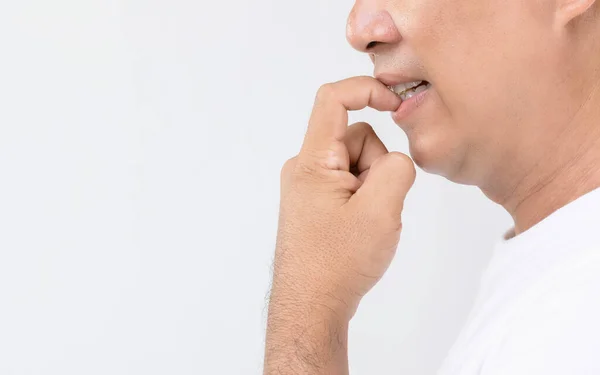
(305, 170)
(366, 128)
(326, 92)
(288, 168)
(364, 81)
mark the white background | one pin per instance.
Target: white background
(140, 148)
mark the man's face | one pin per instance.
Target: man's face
(499, 75)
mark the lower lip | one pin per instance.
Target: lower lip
(409, 106)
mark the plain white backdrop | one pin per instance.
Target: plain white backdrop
(140, 148)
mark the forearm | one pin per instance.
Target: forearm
(305, 339)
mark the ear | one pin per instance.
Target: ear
(568, 10)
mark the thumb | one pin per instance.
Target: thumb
(389, 179)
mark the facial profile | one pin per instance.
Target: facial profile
(490, 83)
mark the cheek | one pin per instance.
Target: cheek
(472, 49)
(477, 53)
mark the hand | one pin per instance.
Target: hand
(339, 227)
(341, 202)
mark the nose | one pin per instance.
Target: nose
(370, 26)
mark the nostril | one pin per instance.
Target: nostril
(371, 45)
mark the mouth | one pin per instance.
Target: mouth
(409, 89)
(413, 91)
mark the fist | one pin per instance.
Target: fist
(341, 203)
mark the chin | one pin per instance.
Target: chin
(436, 154)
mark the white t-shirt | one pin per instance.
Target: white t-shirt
(538, 307)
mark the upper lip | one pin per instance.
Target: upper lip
(391, 79)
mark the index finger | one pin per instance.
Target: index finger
(329, 119)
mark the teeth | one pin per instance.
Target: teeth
(405, 86)
(407, 90)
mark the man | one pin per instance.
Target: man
(501, 94)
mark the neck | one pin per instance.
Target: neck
(565, 170)
(533, 202)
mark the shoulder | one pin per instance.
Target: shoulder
(555, 328)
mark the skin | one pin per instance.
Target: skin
(513, 109)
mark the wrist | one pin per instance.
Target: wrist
(303, 311)
(308, 337)
(314, 297)
(303, 280)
